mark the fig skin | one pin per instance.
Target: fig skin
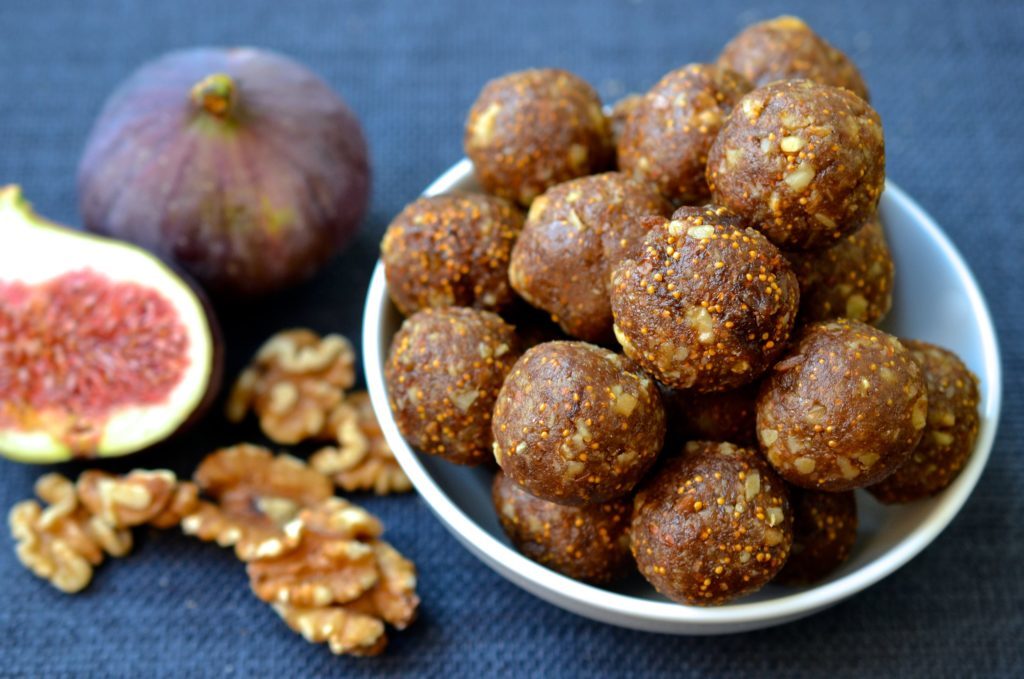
(240, 165)
(24, 235)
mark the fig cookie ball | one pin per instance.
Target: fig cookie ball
(443, 373)
(824, 532)
(719, 416)
(711, 525)
(949, 435)
(573, 235)
(706, 304)
(589, 543)
(451, 250)
(620, 114)
(844, 409)
(785, 48)
(804, 163)
(666, 137)
(852, 279)
(530, 130)
(577, 424)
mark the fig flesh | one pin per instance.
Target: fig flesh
(240, 165)
(104, 350)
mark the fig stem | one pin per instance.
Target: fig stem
(215, 94)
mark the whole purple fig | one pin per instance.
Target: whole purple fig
(241, 165)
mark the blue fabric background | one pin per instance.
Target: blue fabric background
(948, 80)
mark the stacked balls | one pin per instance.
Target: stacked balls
(694, 394)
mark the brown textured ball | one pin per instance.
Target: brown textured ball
(844, 409)
(443, 374)
(451, 250)
(804, 163)
(589, 543)
(573, 235)
(707, 304)
(785, 48)
(824, 532)
(577, 424)
(620, 114)
(949, 435)
(666, 137)
(721, 416)
(530, 130)
(711, 525)
(852, 279)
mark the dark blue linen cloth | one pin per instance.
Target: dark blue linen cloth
(948, 80)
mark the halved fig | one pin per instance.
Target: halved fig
(104, 350)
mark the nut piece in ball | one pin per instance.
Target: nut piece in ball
(573, 235)
(844, 409)
(589, 543)
(785, 48)
(667, 135)
(577, 424)
(802, 162)
(712, 524)
(443, 372)
(852, 279)
(530, 130)
(824, 532)
(949, 435)
(706, 304)
(451, 250)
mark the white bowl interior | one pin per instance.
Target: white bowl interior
(936, 299)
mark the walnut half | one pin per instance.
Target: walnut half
(255, 494)
(63, 542)
(340, 582)
(362, 460)
(293, 384)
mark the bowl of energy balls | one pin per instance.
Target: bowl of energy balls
(687, 364)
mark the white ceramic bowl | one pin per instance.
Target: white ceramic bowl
(936, 299)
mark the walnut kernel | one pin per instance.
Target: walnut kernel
(362, 460)
(296, 379)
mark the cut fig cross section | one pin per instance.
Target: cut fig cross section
(104, 350)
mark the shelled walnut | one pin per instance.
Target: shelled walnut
(294, 383)
(126, 501)
(62, 542)
(357, 628)
(338, 583)
(254, 493)
(328, 558)
(362, 460)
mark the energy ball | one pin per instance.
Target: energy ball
(785, 48)
(707, 304)
(530, 130)
(844, 409)
(666, 137)
(443, 373)
(824, 532)
(573, 235)
(451, 250)
(711, 525)
(620, 113)
(720, 416)
(949, 435)
(589, 543)
(852, 279)
(577, 424)
(803, 162)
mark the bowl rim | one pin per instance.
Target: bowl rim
(622, 608)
